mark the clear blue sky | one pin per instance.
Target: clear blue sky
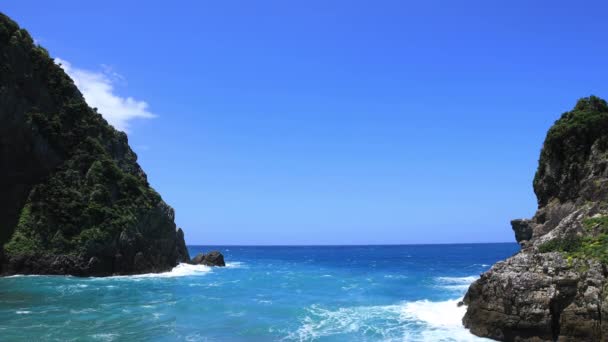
(337, 122)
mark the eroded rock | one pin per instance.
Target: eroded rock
(213, 258)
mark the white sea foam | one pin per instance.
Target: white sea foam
(321, 322)
(23, 312)
(442, 321)
(434, 314)
(409, 321)
(181, 270)
(414, 321)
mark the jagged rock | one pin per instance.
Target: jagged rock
(523, 230)
(538, 296)
(213, 258)
(74, 199)
(555, 288)
(198, 259)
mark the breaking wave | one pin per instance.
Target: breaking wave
(414, 321)
(408, 321)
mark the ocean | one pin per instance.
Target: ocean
(324, 293)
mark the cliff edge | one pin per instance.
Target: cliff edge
(74, 200)
(555, 288)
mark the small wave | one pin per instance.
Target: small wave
(457, 285)
(236, 314)
(395, 276)
(236, 264)
(456, 288)
(456, 280)
(23, 312)
(82, 311)
(36, 276)
(350, 287)
(105, 337)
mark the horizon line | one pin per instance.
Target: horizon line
(353, 245)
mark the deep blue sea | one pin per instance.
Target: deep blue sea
(330, 293)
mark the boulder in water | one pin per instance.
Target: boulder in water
(213, 258)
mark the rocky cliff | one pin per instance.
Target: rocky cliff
(74, 200)
(555, 288)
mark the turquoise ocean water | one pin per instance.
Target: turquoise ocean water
(330, 293)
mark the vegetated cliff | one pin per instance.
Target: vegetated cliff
(74, 200)
(556, 287)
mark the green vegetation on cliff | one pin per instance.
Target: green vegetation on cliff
(567, 148)
(572, 168)
(593, 245)
(78, 187)
(91, 198)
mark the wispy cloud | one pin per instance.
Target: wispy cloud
(97, 87)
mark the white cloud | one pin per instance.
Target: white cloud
(97, 87)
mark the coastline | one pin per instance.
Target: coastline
(270, 293)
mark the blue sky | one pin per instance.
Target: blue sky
(333, 122)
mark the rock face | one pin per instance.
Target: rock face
(74, 200)
(556, 287)
(213, 258)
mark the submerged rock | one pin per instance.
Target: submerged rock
(555, 288)
(213, 258)
(74, 199)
